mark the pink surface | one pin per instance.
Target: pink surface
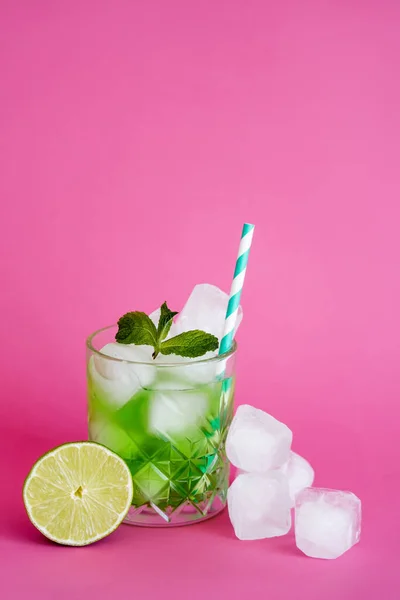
(136, 138)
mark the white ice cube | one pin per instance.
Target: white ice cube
(113, 369)
(256, 441)
(205, 309)
(118, 380)
(299, 473)
(186, 372)
(199, 372)
(259, 505)
(327, 522)
(176, 412)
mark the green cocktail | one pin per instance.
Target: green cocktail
(168, 419)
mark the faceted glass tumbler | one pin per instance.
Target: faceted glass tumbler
(168, 419)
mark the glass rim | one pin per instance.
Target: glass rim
(183, 363)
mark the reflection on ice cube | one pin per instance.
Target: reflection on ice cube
(173, 413)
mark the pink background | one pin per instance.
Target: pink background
(136, 137)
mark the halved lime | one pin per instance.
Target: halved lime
(78, 493)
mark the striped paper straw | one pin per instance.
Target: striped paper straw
(236, 289)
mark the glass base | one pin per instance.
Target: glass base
(186, 514)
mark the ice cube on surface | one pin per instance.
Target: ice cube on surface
(118, 381)
(299, 473)
(327, 522)
(176, 412)
(205, 309)
(259, 505)
(256, 441)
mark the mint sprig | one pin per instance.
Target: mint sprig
(165, 321)
(137, 328)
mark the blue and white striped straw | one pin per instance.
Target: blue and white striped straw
(236, 288)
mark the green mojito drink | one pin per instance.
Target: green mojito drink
(166, 414)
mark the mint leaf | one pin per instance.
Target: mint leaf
(165, 322)
(190, 344)
(137, 328)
